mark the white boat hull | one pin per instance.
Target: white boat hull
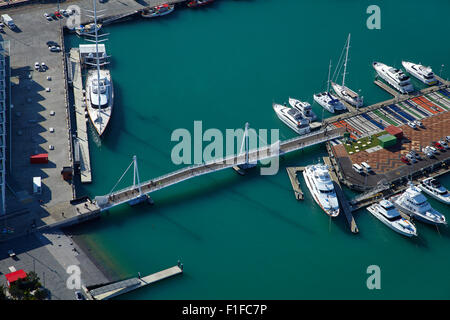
(438, 197)
(381, 68)
(415, 214)
(409, 68)
(300, 131)
(347, 95)
(386, 222)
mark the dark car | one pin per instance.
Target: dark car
(79, 295)
(52, 43)
(53, 16)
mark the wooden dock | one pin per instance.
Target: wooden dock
(115, 289)
(345, 206)
(81, 120)
(292, 173)
(386, 88)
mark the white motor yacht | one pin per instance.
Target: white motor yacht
(434, 189)
(304, 108)
(386, 212)
(321, 186)
(424, 74)
(395, 77)
(292, 118)
(415, 204)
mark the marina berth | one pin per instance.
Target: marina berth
(393, 76)
(157, 11)
(386, 212)
(413, 203)
(304, 108)
(424, 74)
(318, 180)
(292, 118)
(328, 101)
(434, 189)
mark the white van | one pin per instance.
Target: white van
(37, 185)
(366, 166)
(357, 168)
(6, 19)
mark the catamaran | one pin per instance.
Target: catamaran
(304, 107)
(99, 88)
(424, 74)
(395, 77)
(327, 100)
(321, 186)
(341, 90)
(292, 118)
(386, 212)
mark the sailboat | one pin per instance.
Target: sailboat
(327, 100)
(99, 87)
(341, 90)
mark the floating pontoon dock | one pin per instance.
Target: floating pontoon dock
(81, 120)
(292, 173)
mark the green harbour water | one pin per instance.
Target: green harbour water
(248, 237)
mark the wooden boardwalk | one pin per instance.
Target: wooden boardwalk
(292, 173)
(387, 88)
(80, 118)
(115, 289)
(345, 206)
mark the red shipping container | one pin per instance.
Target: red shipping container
(39, 158)
(395, 131)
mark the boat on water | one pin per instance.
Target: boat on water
(100, 98)
(328, 101)
(395, 77)
(415, 204)
(387, 213)
(304, 108)
(434, 189)
(197, 3)
(292, 118)
(157, 11)
(88, 29)
(318, 180)
(424, 74)
(343, 91)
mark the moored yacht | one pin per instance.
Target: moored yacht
(433, 188)
(386, 212)
(328, 101)
(415, 204)
(424, 74)
(304, 108)
(100, 97)
(197, 3)
(88, 29)
(318, 180)
(157, 11)
(341, 90)
(292, 118)
(395, 77)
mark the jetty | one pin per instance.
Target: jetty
(387, 88)
(80, 117)
(114, 289)
(292, 173)
(345, 206)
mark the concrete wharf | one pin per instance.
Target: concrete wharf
(292, 173)
(80, 117)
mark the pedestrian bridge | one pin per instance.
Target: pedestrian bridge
(138, 192)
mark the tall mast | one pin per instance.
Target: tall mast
(346, 60)
(98, 64)
(328, 82)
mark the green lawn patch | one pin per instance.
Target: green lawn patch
(363, 143)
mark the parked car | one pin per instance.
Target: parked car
(37, 66)
(415, 154)
(447, 138)
(79, 295)
(58, 15)
(438, 146)
(434, 150)
(43, 66)
(412, 125)
(419, 124)
(411, 158)
(404, 159)
(428, 152)
(48, 17)
(64, 13)
(443, 143)
(54, 48)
